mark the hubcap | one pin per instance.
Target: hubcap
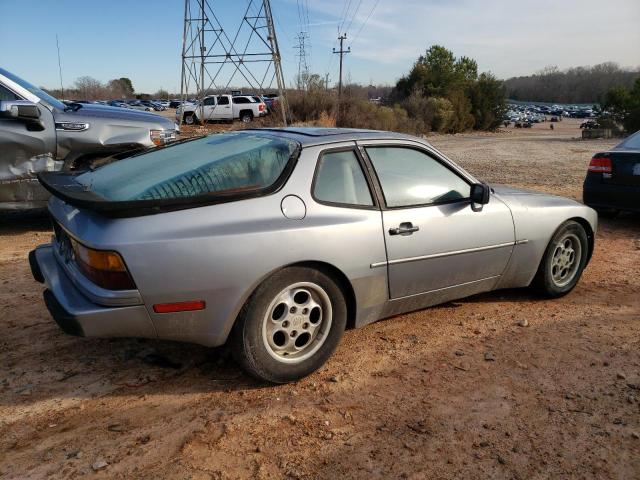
(297, 322)
(566, 259)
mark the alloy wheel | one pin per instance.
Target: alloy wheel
(297, 322)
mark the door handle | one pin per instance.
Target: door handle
(405, 228)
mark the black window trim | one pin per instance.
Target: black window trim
(57, 183)
(363, 145)
(365, 172)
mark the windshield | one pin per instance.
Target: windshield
(223, 164)
(38, 92)
(631, 143)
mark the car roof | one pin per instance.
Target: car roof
(309, 136)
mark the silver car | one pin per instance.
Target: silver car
(276, 240)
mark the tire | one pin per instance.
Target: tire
(246, 117)
(190, 119)
(563, 262)
(290, 325)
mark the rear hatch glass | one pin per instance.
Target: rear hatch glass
(223, 163)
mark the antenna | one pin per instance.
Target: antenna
(60, 67)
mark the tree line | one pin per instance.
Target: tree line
(89, 88)
(574, 85)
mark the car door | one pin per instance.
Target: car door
(435, 238)
(223, 109)
(208, 109)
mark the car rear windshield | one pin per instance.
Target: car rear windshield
(632, 142)
(218, 164)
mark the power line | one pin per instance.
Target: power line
(365, 22)
(353, 17)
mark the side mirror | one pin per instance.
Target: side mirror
(480, 194)
(20, 110)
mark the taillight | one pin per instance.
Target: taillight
(261, 107)
(600, 165)
(104, 268)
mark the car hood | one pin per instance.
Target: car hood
(530, 198)
(90, 112)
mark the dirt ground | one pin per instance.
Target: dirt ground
(409, 397)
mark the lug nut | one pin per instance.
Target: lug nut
(292, 310)
(293, 333)
(305, 325)
(305, 311)
(285, 324)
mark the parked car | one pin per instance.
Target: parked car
(174, 103)
(612, 183)
(116, 103)
(221, 108)
(590, 124)
(40, 133)
(137, 105)
(275, 240)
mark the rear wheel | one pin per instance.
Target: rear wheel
(290, 326)
(246, 117)
(563, 260)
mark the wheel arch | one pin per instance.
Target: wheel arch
(328, 269)
(589, 231)
(245, 111)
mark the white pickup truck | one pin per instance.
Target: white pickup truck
(222, 108)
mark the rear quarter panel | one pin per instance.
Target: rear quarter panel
(221, 253)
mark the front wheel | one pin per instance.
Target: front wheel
(190, 119)
(564, 260)
(290, 326)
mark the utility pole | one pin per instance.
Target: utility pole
(341, 52)
(303, 67)
(326, 81)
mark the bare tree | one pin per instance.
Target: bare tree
(90, 88)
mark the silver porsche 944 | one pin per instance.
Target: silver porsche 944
(276, 240)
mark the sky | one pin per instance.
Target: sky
(142, 39)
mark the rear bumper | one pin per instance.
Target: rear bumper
(606, 196)
(75, 313)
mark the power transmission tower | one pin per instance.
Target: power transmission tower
(303, 66)
(341, 52)
(213, 60)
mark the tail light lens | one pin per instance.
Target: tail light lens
(104, 268)
(600, 165)
(261, 107)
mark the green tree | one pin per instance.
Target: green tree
(488, 103)
(623, 106)
(438, 73)
(126, 82)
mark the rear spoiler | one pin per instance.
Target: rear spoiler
(63, 186)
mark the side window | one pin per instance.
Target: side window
(6, 94)
(339, 179)
(410, 177)
(223, 100)
(241, 100)
(210, 101)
